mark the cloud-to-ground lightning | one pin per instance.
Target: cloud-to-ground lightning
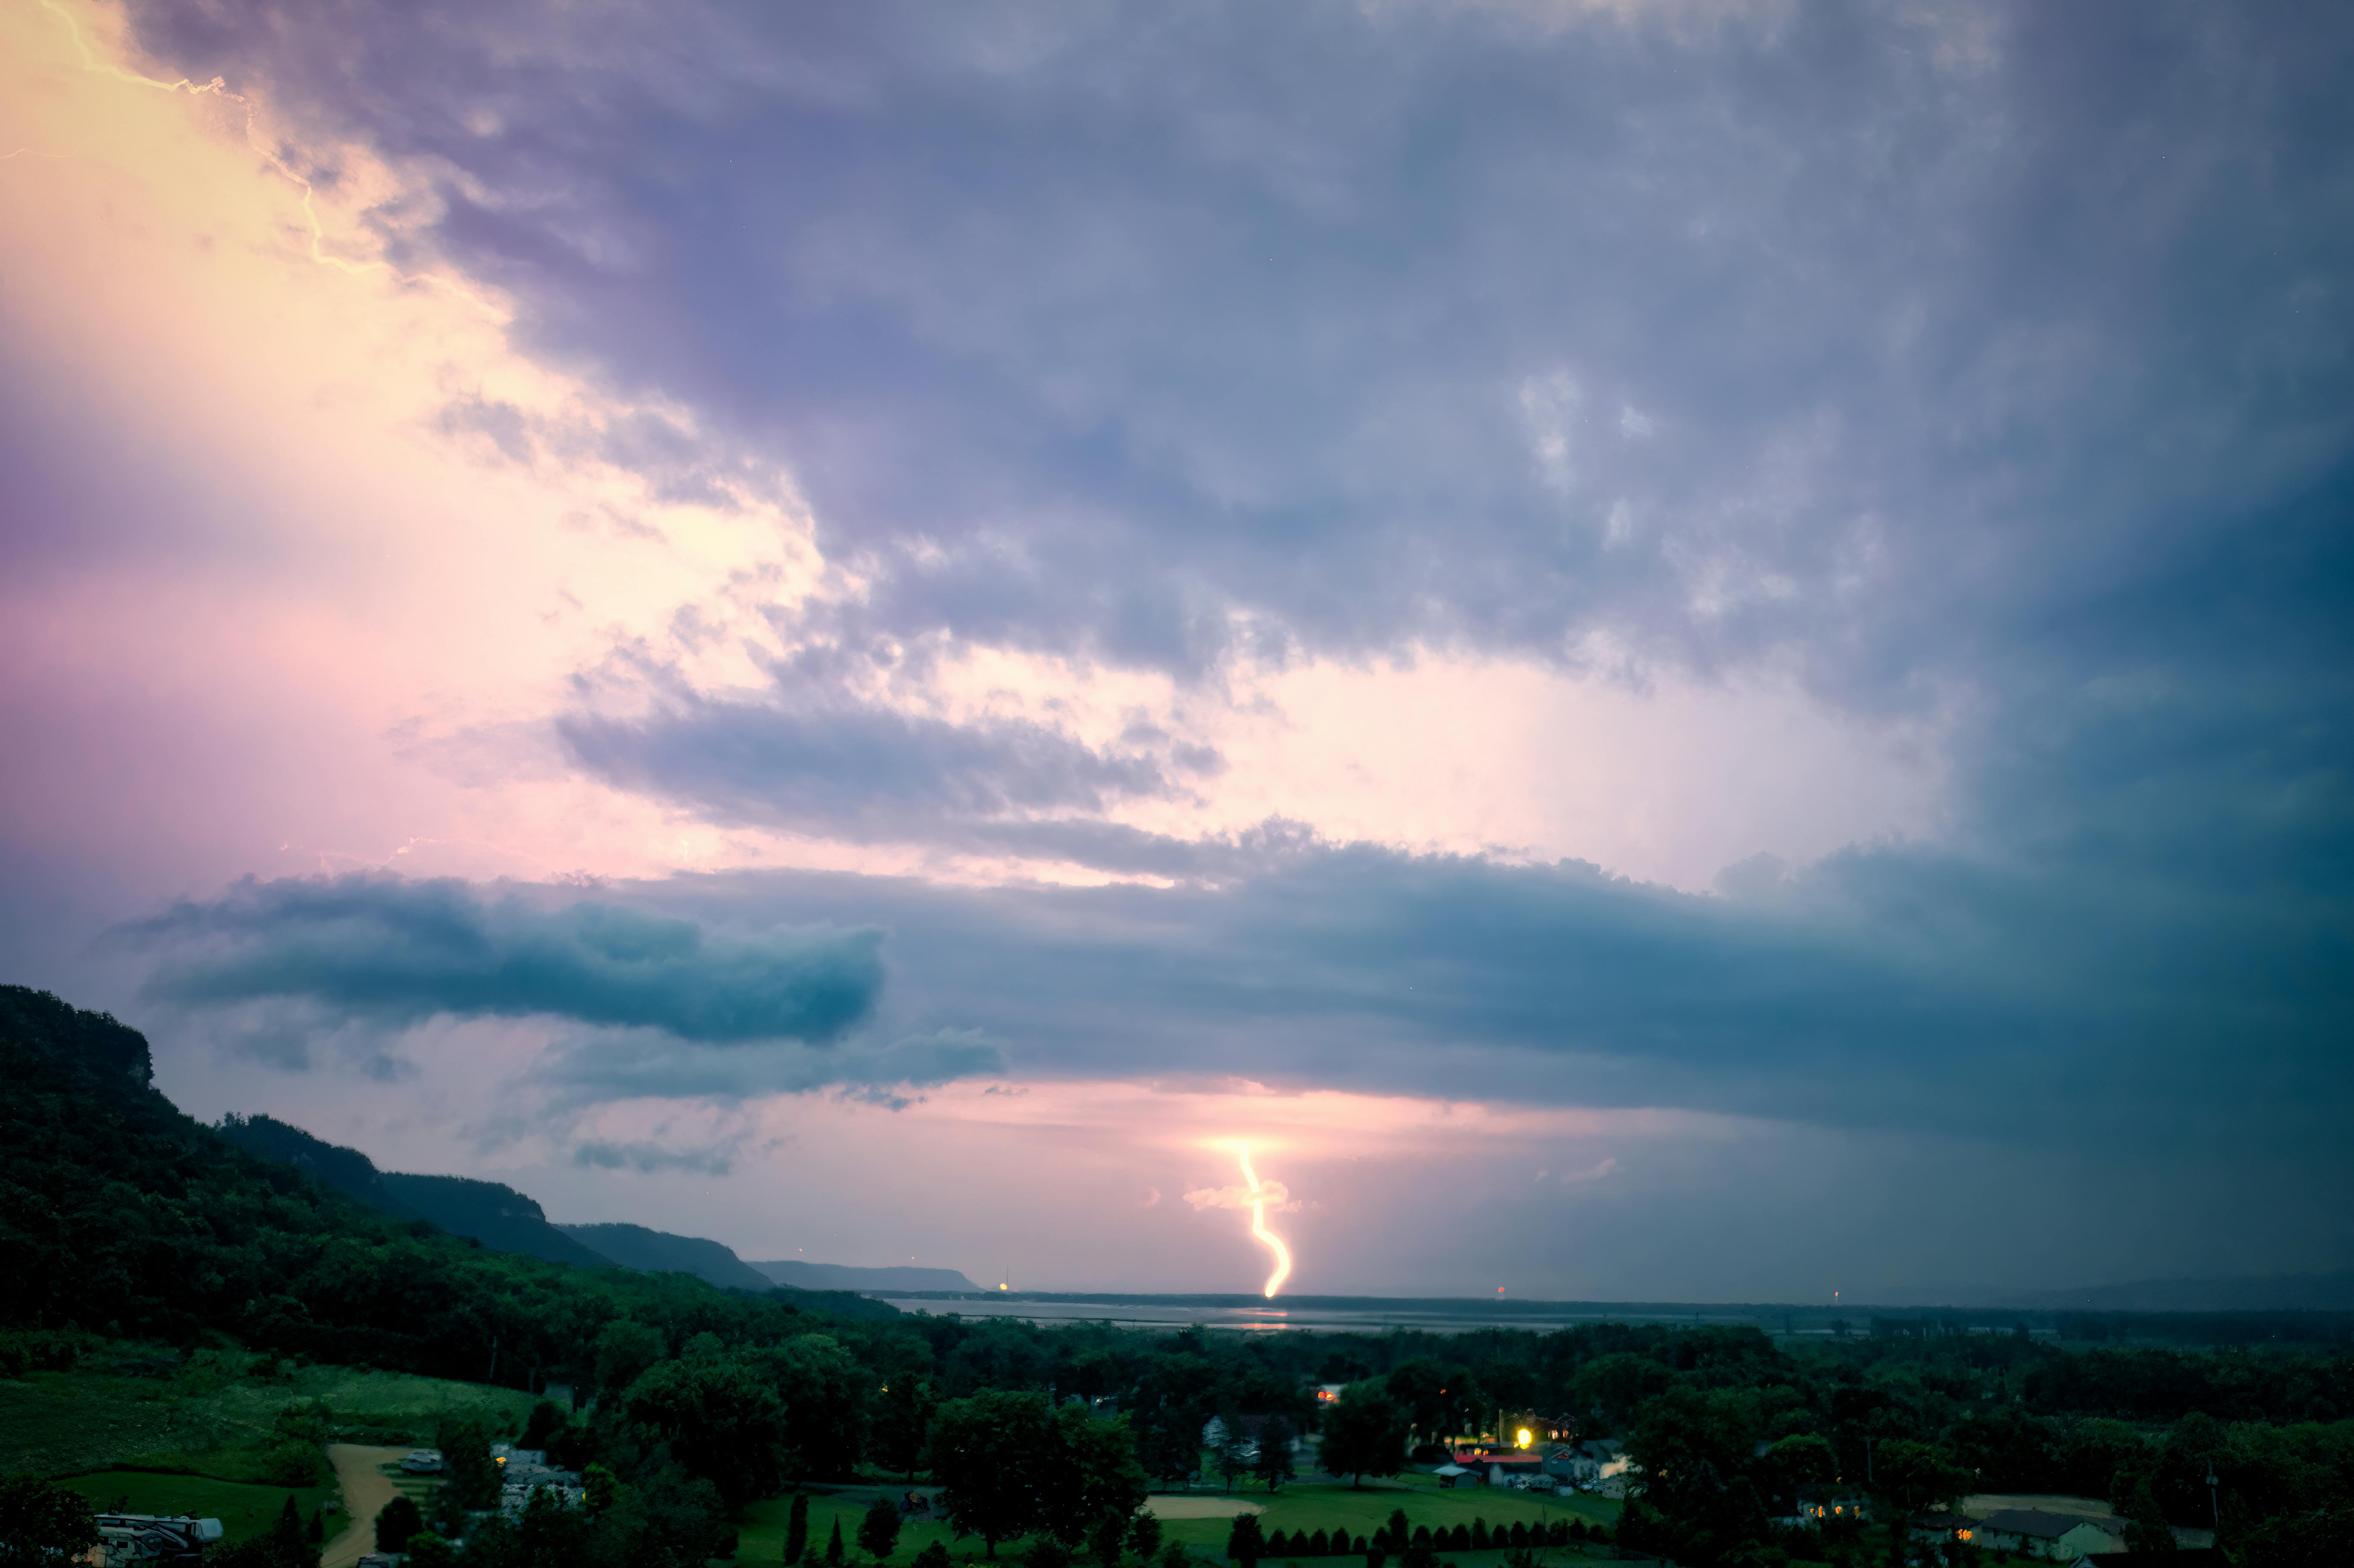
(1265, 1237)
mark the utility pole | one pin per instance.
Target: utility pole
(1866, 1461)
(2214, 1504)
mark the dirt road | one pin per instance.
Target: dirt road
(360, 1471)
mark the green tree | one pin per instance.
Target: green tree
(903, 1420)
(1435, 1397)
(822, 1388)
(987, 1454)
(2145, 1530)
(1090, 1473)
(1364, 1434)
(2321, 1539)
(547, 1419)
(600, 1489)
(1612, 1389)
(1273, 1464)
(934, 1555)
(1908, 1477)
(1797, 1467)
(833, 1545)
(42, 1524)
(429, 1551)
(797, 1529)
(1228, 1451)
(625, 1351)
(1108, 1540)
(396, 1522)
(1244, 1544)
(878, 1532)
(722, 1420)
(1174, 1400)
(471, 1474)
(288, 1530)
(1144, 1534)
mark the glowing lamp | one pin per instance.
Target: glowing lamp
(1523, 1436)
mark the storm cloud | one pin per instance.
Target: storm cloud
(380, 949)
(1340, 328)
(858, 766)
(1971, 374)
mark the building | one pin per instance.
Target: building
(2059, 1537)
(523, 1471)
(1496, 1464)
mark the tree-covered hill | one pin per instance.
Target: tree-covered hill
(118, 1213)
(659, 1252)
(498, 1216)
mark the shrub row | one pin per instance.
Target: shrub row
(1475, 1537)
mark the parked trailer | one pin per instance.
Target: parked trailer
(124, 1539)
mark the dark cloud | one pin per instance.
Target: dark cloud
(1886, 988)
(646, 1159)
(865, 773)
(1859, 330)
(381, 950)
(822, 765)
(626, 1067)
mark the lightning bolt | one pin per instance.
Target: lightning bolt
(218, 88)
(1265, 1237)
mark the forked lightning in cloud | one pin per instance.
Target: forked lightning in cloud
(1265, 1237)
(218, 88)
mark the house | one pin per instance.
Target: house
(1328, 1393)
(2061, 1537)
(523, 1471)
(1582, 1464)
(2187, 1557)
(1497, 1463)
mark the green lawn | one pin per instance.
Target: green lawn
(242, 1509)
(206, 1415)
(1296, 1507)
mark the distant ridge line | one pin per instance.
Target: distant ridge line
(2039, 1304)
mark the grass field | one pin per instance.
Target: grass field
(210, 1417)
(242, 1509)
(1295, 1509)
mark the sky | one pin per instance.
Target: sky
(1664, 648)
